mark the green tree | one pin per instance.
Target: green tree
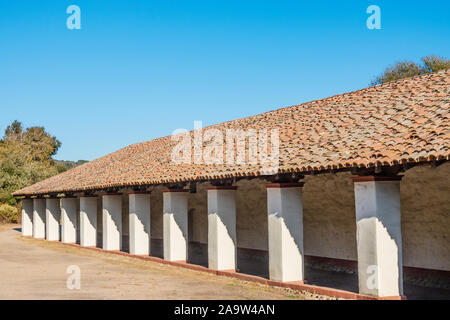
(25, 158)
(406, 69)
(14, 131)
(434, 63)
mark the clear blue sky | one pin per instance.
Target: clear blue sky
(138, 70)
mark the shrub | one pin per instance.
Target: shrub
(8, 213)
(406, 69)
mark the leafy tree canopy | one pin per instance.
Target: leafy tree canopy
(26, 158)
(406, 69)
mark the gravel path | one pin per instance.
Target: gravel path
(36, 269)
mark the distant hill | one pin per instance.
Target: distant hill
(66, 165)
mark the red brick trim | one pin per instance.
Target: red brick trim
(90, 196)
(297, 285)
(291, 284)
(426, 272)
(392, 298)
(353, 265)
(350, 264)
(176, 190)
(228, 270)
(285, 185)
(246, 277)
(257, 252)
(376, 178)
(221, 188)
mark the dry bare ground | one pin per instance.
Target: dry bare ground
(36, 269)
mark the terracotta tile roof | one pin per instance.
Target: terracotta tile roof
(406, 120)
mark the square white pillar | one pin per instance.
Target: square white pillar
(39, 218)
(27, 217)
(88, 221)
(285, 209)
(139, 222)
(175, 221)
(69, 219)
(222, 228)
(379, 237)
(52, 216)
(112, 222)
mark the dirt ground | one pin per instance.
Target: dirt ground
(36, 269)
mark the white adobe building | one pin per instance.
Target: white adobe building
(362, 182)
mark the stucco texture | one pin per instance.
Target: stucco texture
(251, 214)
(425, 206)
(329, 221)
(329, 216)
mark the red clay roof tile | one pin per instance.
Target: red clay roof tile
(406, 120)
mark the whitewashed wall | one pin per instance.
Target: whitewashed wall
(329, 216)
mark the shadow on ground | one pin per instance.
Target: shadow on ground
(258, 265)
